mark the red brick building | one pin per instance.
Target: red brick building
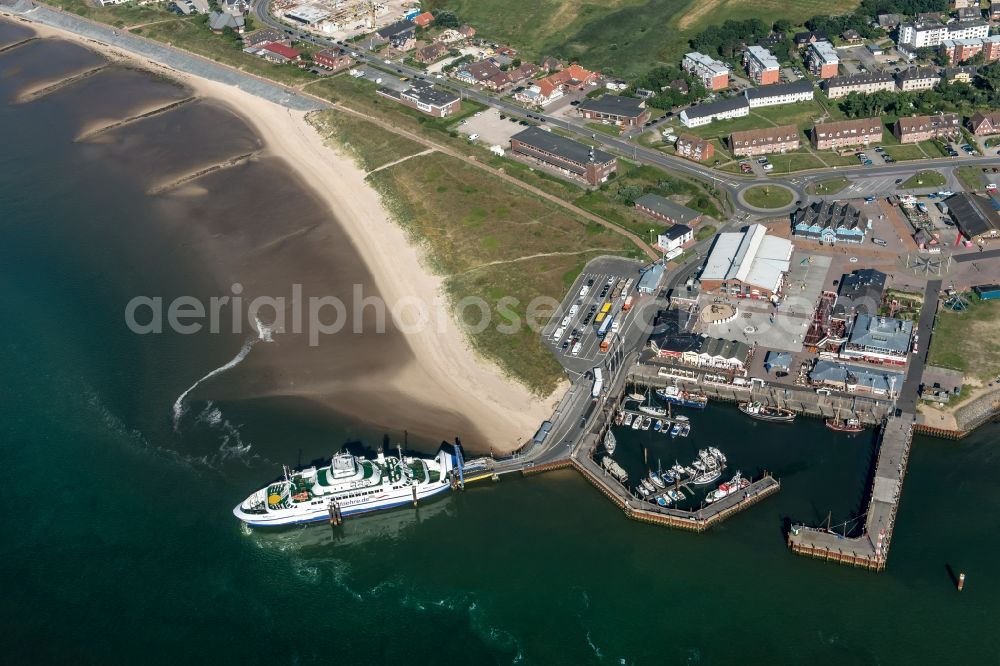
(333, 59)
(571, 157)
(694, 148)
(764, 141)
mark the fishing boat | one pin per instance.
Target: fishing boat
(642, 491)
(614, 469)
(711, 476)
(717, 454)
(676, 495)
(695, 400)
(637, 422)
(691, 471)
(628, 419)
(761, 412)
(610, 442)
(699, 465)
(668, 477)
(726, 489)
(646, 422)
(657, 481)
(658, 425)
(675, 430)
(352, 484)
(671, 394)
(844, 425)
(664, 500)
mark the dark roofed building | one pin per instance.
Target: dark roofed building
(804, 39)
(614, 109)
(665, 210)
(264, 36)
(724, 109)
(859, 292)
(782, 93)
(830, 222)
(974, 216)
(914, 129)
(425, 97)
(572, 157)
(431, 52)
(984, 124)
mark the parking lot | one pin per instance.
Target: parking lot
(595, 301)
(490, 128)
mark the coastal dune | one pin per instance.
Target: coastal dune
(251, 189)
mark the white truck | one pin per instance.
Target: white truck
(557, 336)
(576, 349)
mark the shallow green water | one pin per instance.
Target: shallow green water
(120, 547)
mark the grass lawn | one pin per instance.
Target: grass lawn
(830, 185)
(972, 178)
(904, 152)
(610, 130)
(923, 179)
(967, 340)
(370, 145)
(788, 162)
(120, 16)
(933, 149)
(801, 115)
(704, 231)
(765, 196)
(477, 231)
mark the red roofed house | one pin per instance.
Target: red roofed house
(281, 53)
(424, 20)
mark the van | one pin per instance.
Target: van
(879, 241)
(573, 310)
(566, 320)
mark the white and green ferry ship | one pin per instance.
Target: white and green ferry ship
(350, 484)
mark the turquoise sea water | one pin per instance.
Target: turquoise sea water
(119, 545)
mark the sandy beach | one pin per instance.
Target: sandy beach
(444, 374)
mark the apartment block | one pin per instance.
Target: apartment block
(764, 141)
(823, 60)
(847, 133)
(865, 83)
(762, 67)
(915, 129)
(917, 78)
(713, 74)
(958, 51)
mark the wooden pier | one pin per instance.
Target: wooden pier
(698, 520)
(871, 549)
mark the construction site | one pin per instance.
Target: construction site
(344, 19)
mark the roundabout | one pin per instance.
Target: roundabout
(768, 197)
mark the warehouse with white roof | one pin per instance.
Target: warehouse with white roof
(747, 264)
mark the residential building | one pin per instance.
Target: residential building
(851, 37)
(258, 38)
(977, 29)
(859, 292)
(847, 133)
(219, 21)
(280, 53)
(425, 97)
(831, 222)
(399, 35)
(804, 39)
(551, 64)
(985, 124)
(865, 83)
(724, 109)
(762, 67)
(974, 216)
(713, 74)
(665, 210)
(615, 110)
(876, 339)
(914, 129)
(478, 72)
(994, 10)
(573, 158)
(823, 60)
(764, 141)
(889, 21)
(675, 238)
(963, 4)
(747, 264)
(467, 31)
(917, 78)
(783, 93)
(550, 88)
(694, 148)
(333, 59)
(913, 36)
(423, 20)
(874, 49)
(431, 53)
(855, 378)
(969, 14)
(963, 73)
(958, 51)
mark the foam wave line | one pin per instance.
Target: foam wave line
(179, 403)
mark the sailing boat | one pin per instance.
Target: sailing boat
(652, 409)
